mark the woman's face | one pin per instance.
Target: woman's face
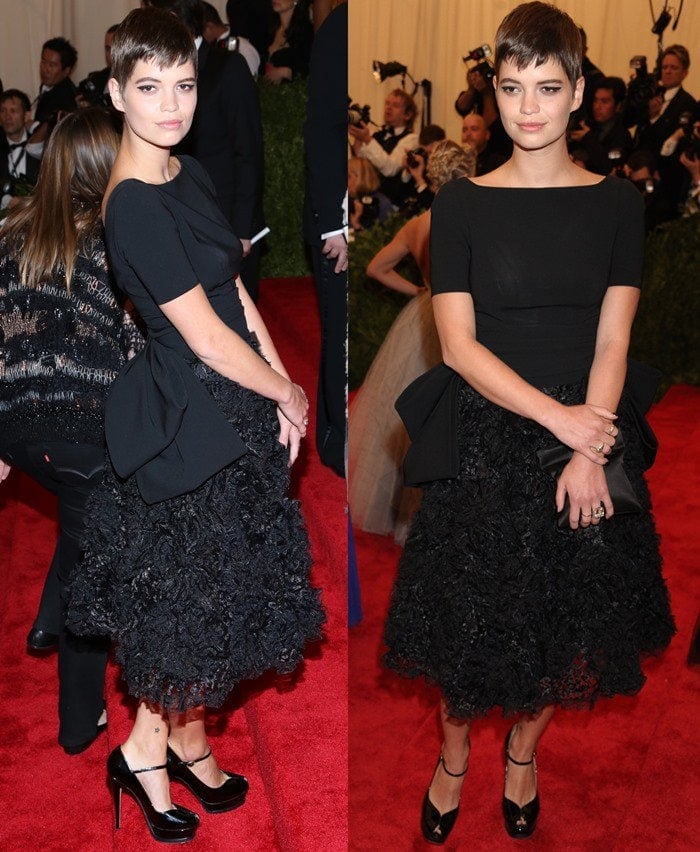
(535, 102)
(281, 6)
(158, 103)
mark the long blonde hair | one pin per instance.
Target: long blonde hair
(48, 229)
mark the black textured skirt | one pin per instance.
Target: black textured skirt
(500, 608)
(208, 589)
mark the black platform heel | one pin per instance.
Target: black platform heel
(177, 825)
(520, 821)
(436, 827)
(230, 795)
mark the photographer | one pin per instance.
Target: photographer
(476, 134)
(606, 141)
(690, 160)
(387, 148)
(93, 91)
(420, 196)
(480, 97)
(16, 165)
(640, 168)
(57, 91)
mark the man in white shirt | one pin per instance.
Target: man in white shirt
(15, 162)
(387, 148)
(217, 33)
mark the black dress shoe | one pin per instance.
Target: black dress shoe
(41, 640)
(231, 794)
(519, 820)
(177, 825)
(436, 827)
(85, 744)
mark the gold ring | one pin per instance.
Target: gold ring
(599, 512)
(598, 449)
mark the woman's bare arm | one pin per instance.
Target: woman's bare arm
(411, 239)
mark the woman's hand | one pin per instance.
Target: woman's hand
(289, 437)
(295, 409)
(587, 489)
(4, 470)
(588, 429)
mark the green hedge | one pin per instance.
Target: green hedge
(372, 307)
(283, 110)
(666, 332)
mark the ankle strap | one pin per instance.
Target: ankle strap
(453, 774)
(521, 762)
(149, 769)
(196, 760)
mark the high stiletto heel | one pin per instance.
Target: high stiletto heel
(520, 821)
(231, 794)
(177, 825)
(436, 827)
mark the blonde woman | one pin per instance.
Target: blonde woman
(377, 439)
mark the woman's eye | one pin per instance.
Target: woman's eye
(146, 88)
(509, 90)
(551, 90)
(187, 87)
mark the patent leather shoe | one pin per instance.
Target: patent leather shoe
(176, 825)
(436, 827)
(229, 795)
(520, 820)
(79, 748)
(41, 640)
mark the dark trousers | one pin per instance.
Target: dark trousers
(331, 417)
(70, 471)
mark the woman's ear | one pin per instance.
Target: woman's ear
(115, 94)
(578, 94)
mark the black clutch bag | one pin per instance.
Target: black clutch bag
(624, 500)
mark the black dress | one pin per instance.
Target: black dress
(196, 561)
(493, 602)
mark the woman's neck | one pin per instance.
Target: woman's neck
(143, 160)
(548, 167)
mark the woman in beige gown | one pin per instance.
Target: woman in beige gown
(379, 502)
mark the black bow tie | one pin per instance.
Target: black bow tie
(14, 146)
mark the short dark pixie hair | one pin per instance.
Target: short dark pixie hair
(61, 46)
(16, 94)
(538, 32)
(150, 34)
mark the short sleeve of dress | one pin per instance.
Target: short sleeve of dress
(628, 249)
(141, 227)
(450, 251)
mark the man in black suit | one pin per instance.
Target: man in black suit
(226, 135)
(57, 91)
(253, 19)
(325, 138)
(93, 91)
(15, 162)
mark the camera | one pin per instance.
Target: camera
(411, 157)
(92, 94)
(642, 87)
(689, 144)
(358, 114)
(481, 56)
(616, 159)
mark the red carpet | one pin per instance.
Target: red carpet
(290, 735)
(623, 777)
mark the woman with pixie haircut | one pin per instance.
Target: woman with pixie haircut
(517, 588)
(197, 562)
